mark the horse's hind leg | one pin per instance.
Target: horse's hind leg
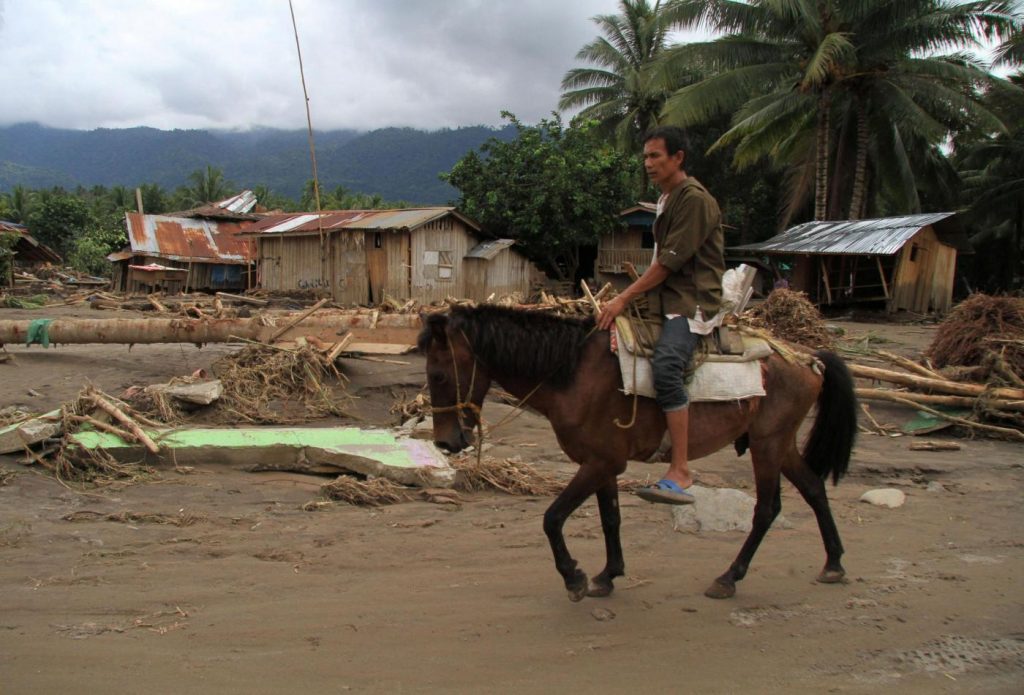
(611, 520)
(766, 508)
(812, 489)
(583, 485)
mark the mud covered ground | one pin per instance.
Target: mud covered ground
(238, 590)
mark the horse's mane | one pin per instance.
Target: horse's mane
(530, 344)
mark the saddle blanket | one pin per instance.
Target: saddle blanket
(718, 378)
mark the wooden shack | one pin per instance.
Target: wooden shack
(364, 256)
(906, 263)
(25, 253)
(632, 243)
(205, 242)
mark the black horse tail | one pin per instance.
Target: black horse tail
(835, 427)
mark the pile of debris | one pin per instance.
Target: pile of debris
(986, 335)
(971, 376)
(791, 316)
(55, 279)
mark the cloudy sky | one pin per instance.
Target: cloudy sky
(232, 63)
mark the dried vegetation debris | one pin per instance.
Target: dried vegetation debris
(271, 385)
(791, 316)
(983, 331)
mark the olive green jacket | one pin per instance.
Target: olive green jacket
(690, 244)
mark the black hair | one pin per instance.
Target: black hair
(674, 137)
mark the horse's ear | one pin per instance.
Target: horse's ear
(436, 325)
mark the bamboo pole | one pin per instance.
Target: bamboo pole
(1009, 432)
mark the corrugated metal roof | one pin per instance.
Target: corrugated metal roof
(640, 207)
(182, 238)
(237, 207)
(242, 203)
(489, 249)
(331, 220)
(883, 236)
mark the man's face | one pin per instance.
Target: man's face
(660, 165)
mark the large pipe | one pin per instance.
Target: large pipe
(205, 330)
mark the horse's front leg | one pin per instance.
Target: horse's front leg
(611, 521)
(582, 486)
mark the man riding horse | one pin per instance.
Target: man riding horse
(683, 283)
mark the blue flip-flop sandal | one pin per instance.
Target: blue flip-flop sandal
(666, 491)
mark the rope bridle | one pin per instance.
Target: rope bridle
(459, 406)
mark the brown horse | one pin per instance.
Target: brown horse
(562, 368)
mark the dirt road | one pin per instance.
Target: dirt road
(237, 590)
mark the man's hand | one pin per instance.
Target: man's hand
(609, 311)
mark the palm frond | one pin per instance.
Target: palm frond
(698, 103)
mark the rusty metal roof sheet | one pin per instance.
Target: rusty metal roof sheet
(489, 249)
(183, 239)
(883, 236)
(353, 220)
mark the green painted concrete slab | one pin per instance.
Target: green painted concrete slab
(311, 449)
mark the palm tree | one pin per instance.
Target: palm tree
(992, 169)
(844, 88)
(624, 90)
(208, 186)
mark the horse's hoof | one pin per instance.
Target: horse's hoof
(720, 590)
(578, 587)
(832, 576)
(599, 589)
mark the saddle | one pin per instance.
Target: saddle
(727, 369)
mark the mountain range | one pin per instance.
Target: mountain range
(398, 163)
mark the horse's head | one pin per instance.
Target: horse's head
(457, 381)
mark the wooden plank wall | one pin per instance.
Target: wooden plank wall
(450, 238)
(924, 275)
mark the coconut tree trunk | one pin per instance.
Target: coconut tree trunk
(821, 158)
(860, 176)
(198, 331)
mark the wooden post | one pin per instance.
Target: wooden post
(881, 274)
(824, 279)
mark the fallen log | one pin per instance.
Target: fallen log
(207, 330)
(939, 385)
(938, 399)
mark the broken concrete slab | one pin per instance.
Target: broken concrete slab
(718, 509)
(368, 452)
(15, 437)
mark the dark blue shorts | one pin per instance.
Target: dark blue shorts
(672, 356)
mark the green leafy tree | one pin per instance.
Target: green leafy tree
(552, 189)
(89, 250)
(848, 95)
(58, 219)
(626, 86)
(8, 240)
